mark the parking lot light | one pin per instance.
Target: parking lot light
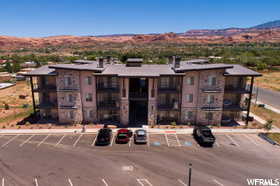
(190, 174)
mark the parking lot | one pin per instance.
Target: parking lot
(73, 159)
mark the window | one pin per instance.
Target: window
(89, 97)
(70, 98)
(88, 80)
(212, 80)
(67, 81)
(164, 82)
(71, 114)
(190, 80)
(189, 98)
(210, 99)
(114, 82)
(209, 116)
(90, 113)
(189, 115)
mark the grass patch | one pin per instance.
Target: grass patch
(274, 136)
(269, 80)
(266, 114)
(16, 116)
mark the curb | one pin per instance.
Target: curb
(268, 139)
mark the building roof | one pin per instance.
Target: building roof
(81, 61)
(153, 70)
(186, 66)
(43, 70)
(239, 70)
(90, 67)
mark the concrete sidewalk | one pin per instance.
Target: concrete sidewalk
(150, 130)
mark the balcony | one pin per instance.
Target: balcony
(138, 95)
(170, 89)
(166, 120)
(102, 88)
(168, 106)
(48, 88)
(112, 119)
(46, 105)
(211, 108)
(211, 89)
(68, 89)
(235, 107)
(111, 105)
(237, 90)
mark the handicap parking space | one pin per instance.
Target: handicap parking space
(187, 140)
(157, 140)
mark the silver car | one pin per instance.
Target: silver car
(140, 136)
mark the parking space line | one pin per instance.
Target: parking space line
(10, 140)
(74, 145)
(36, 182)
(45, 138)
(105, 183)
(232, 140)
(94, 141)
(129, 143)
(140, 181)
(250, 139)
(3, 182)
(218, 183)
(217, 144)
(111, 144)
(179, 144)
(180, 181)
(60, 140)
(70, 182)
(29, 138)
(166, 139)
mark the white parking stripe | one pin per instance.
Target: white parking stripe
(3, 182)
(232, 141)
(77, 140)
(129, 143)
(70, 182)
(29, 138)
(113, 138)
(180, 181)
(217, 144)
(105, 183)
(93, 143)
(45, 138)
(10, 140)
(250, 139)
(36, 182)
(166, 139)
(179, 144)
(143, 181)
(218, 183)
(60, 140)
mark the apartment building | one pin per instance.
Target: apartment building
(133, 94)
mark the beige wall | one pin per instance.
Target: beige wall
(152, 101)
(124, 103)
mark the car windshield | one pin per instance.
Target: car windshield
(122, 136)
(206, 133)
(141, 133)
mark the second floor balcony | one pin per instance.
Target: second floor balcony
(168, 106)
(237, 89)
(47, 88)
(168, 89)
(110, 104)
(212, 89)
(47, 105)
(107, 87)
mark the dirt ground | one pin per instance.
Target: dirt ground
(269, 80)
(266, 114)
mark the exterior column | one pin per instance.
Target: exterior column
(124, 101)
(249, 101)
(32, 92)
(152, 101)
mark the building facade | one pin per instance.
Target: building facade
(133, 94)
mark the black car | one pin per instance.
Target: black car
(203, 135)
(140, 136)
(104, 136)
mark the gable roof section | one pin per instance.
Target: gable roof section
(89, 67)
(42, 71)
(239, 70)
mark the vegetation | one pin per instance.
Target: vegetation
(266, 114)
(274, 136)
(268, 125)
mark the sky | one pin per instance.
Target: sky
(40, 18)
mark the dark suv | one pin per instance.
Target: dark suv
(104, 136)
(203, 135)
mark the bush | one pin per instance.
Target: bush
(268, 125)
(7, 107)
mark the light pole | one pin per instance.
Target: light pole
(190, 174)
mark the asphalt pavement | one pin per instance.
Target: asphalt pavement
(266, 96)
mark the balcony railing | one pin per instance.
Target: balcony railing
(166, 120)
(239, 90)
(235, 107)
(170, 89)
(211, 108)
(37, 88)
(108, 104)
(46, 104)
(66, 89)
(102, 87)
(168, 106)
(211, 89)
(138, 95)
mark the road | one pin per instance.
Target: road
(72, 160)
(269, 97)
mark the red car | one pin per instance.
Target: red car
(123, 136)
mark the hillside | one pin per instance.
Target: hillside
(258, 34)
